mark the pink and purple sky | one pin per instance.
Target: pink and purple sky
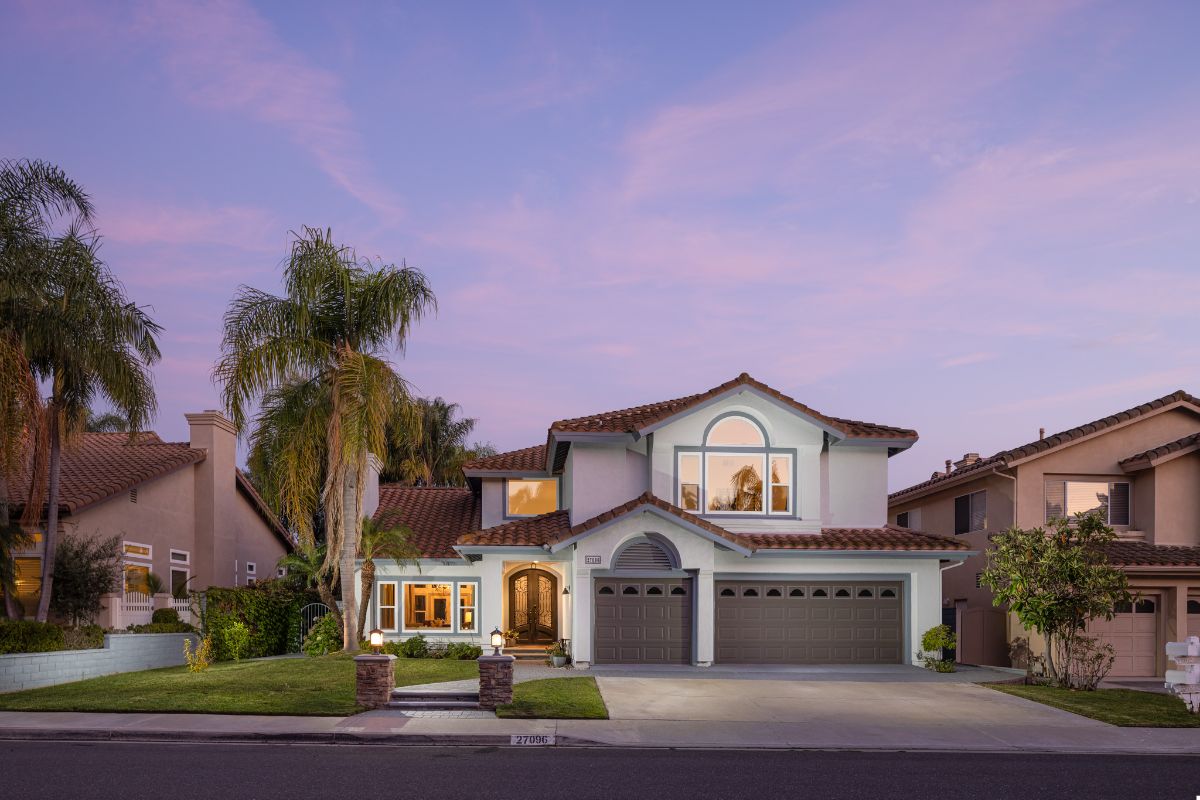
(973, 219)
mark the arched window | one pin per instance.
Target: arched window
(735, 471)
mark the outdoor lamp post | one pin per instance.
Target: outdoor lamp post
(377, 640)
(497, 641)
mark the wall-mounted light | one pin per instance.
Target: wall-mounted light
(566, 591)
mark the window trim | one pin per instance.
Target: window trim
(171, 578)
(251, 568)
(766, 453)
(459, 607)
(1110, 480)
(137, 556)
(557, 495)
(402, 600)
(394, 606)
(187, 557)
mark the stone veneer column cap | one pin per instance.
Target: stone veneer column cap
(497, 659)
(377, 657)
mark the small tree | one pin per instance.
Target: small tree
(1056, 582)
(84, 570)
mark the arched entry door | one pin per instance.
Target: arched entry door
(533, 606)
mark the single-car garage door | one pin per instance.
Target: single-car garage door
(643, 621)
(769, 622)
(1133, 635)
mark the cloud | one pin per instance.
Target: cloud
(223, 55)
(966, 360)
(247, 228)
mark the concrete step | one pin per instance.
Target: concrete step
(434, 705)
(402, 694)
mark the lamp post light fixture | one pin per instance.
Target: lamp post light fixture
(497, 641)
(376, 640)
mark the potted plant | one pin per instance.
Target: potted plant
(510, 638)
(558, 654)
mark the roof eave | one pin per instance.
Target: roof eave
(652, 509)
(741, 389)
(951, 555)
(903, 496)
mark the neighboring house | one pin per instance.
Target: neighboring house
(732, 526)
(1139, 467)
(181, 510)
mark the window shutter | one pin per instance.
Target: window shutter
(1056, 499)
(1118, 504)
(979, 511)
(962, 514)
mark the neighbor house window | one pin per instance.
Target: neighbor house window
(180, 557)
(1068, 498)
(387, 606)
(970, 512)
(136, 577)
(528, 498)
(29, 581)
(427, 606)
(139, 551)
(735, 472)
(902, 519)
(179, 582)
(466, 607)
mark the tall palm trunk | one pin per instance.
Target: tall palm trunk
(50, 539)
(368, 586)
(350, 517)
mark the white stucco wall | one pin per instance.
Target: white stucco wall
(857, 487)
(603, 476)
(491, 508)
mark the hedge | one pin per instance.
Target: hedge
(27, 636)
(269, 609)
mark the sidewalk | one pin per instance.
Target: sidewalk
(1074, 735)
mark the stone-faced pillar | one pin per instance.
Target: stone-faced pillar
(495, 681)
(374, 679)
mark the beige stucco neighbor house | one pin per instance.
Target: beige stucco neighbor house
(732, 526)
(1140, 467)
(182, 510)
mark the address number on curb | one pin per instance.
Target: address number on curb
(541, 740)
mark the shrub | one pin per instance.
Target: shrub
(325, 636)
(202, 658)
(86, 637)
(463, 651)
(413, 647)
(84, 570)
(934, 644)
(27, 636)
(270, 610)
(165, 615)
(162, 627)
(234, 639)
(1084, 661)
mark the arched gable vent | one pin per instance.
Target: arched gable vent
(644, 554)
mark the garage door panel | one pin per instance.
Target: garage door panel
(1134, 639)
(644, 621)
(801, 623)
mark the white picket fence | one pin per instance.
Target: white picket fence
(182, 606)
(136, 608)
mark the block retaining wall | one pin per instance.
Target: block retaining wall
(122, 652)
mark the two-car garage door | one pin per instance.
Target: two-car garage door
(765, 622)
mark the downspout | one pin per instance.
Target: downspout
(953, 564)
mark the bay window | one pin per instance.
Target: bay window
(735, 471)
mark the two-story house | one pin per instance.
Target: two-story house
(1140, 468)
(732, 526)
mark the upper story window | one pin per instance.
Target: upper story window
(735, 472)
(1068, 498)
(528, 498)
(902, 520)
(970, 512)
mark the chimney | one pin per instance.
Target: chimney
(215, 498)
(948, 468)
(1041, 434)
(967, 460)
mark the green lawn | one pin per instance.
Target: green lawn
(556, 698)
(1127, 708)
(321, 686)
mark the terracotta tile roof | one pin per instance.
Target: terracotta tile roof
(437, 515)
(528, 532)
(888, 537)
(101, 465)
(1005, 457)
(1162, 450)
(649, 499)
(530, 459)
(627, 420)
(554, 528)
(1143, 554)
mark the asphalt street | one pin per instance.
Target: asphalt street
(49, 770)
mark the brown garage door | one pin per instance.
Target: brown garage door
(793, 622)
(1133, 635)
(643, 621)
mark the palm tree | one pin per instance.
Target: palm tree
(34, 197)
(303, 569)
(93, 342)
(380, 542)
(429, 447)
(326, 338)
(107, 422)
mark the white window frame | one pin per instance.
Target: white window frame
(1128, 523)
(171, 578)
(251, 568)
(459, 607)
(137, 556)
(699, 456)
(453, 583)
(771, 485)
(983, 492)
(187, 557)
(396, 606)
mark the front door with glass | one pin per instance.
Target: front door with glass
(533, 606)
